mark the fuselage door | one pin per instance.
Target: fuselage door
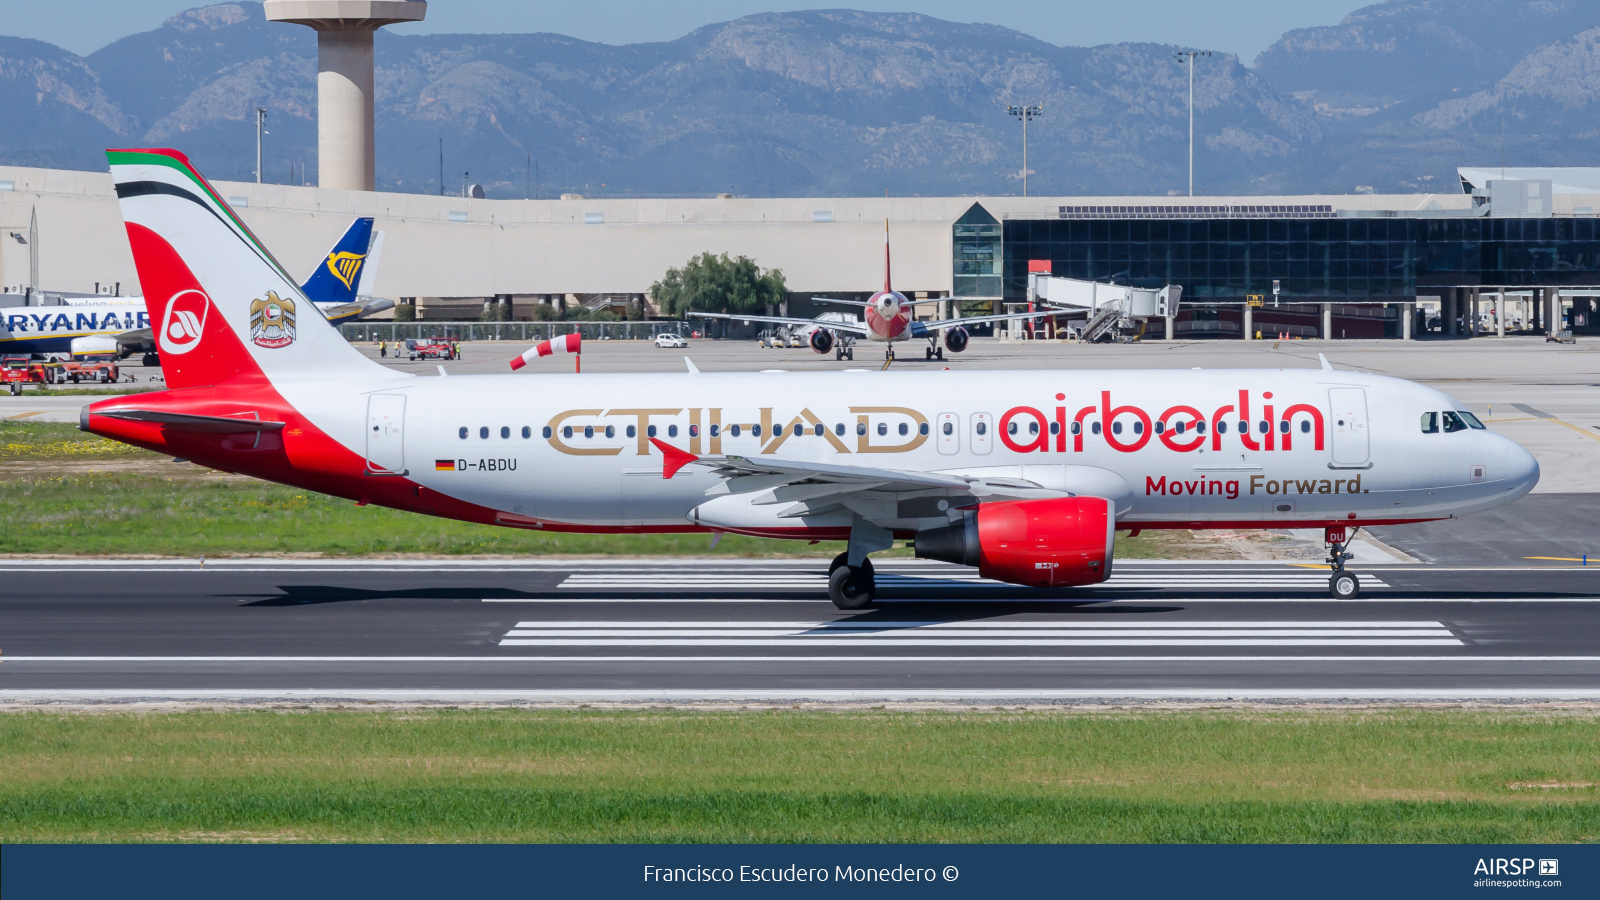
(1351, 444)
(982, 432)
(949, 432)
(386, 425)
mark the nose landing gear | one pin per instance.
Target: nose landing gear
(1342, 585)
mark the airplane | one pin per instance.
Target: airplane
(1025, 475)
(337, 287)
(887, 318)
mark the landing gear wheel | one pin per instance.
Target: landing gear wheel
(851, 588)
(843, 560)
(850, 354)
(939, 353)
(1344, 586)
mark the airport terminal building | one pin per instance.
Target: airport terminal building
(1519, 251)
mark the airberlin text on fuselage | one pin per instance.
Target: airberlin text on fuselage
(1022, 429)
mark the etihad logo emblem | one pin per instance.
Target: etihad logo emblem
(272, 321)
(345, 266)
(183, 322)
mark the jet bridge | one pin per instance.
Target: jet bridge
(1110, 312)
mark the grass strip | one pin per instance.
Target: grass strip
(801, 776)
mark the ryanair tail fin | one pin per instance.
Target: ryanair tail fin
(222, 308)
(339, 274)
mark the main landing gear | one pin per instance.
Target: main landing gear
(935, 353)
(851, 587)
(1342, 585)
(844, 353)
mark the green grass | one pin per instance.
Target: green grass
(796, 776)
(59, 441)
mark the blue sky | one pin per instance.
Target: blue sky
(1245, 27)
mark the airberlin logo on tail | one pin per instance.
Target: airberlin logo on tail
(184, 321)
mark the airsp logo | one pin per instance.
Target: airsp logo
(184, 322)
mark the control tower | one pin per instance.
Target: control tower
(344, 79)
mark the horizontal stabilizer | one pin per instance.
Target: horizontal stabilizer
(187, 422)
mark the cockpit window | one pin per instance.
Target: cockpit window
(1471, 419)
(1430, 423)
(1452, 422)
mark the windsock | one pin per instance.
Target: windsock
(567, 343)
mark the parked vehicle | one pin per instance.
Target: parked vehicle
(427, 348)
(670, 340)
(16, 371)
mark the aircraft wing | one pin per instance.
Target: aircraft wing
(974, 320)
(909, 301)
(853, 328)
(139, 339)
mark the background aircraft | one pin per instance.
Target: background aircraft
(340, 287)
(887, 317)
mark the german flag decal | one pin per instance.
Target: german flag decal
(444, 465)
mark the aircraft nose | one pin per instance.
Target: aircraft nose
(1522, 470)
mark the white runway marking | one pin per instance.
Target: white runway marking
(831, 658)
(817, 581)
(842, 633)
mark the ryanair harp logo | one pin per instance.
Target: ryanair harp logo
(272, 321)
(345, 266)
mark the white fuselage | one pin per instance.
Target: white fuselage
(1375, 463)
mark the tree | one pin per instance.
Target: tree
(711, 283)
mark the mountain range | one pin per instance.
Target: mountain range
(840, 102)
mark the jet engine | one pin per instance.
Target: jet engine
(1060, 542)
(821, 340)
(955, 339)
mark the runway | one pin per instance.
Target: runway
(763, 631)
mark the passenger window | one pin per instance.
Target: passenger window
(1011, 428)
(633, 431)
(1033, 427)
(715, 429)
(588, 431)
(649, 431)
(1138, 428)
(1452, 422)
(505, 431)
(1265, 426)
(799, 429)
(463, 432)
(883, 428)
(839, 429)
(566, 431)
(547, 432)
(734, 431)
(1222, 428)
(694, 430)
(1161, 427)
(983, 428)
(1200, 427)
(1284, 426)
(672, 431)
(1176, 426)
(1055, 427)
(948, 428)
(861, 428)
(526, 432)
(1077, 428)
(904, 428)
(1116, 427)
(755, 430)
(1244, 427)
(1471, 419)
(611, 431)
(1096, 427)
(1305, 426)
(921, 428)
(818, 429)
(484, 432)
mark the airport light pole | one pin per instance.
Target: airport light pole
(1025, 113)
(1188, 56)
(261, 128)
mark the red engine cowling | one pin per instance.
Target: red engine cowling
(821, 340)
(1039, 543)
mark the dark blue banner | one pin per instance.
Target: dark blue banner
(30, 872)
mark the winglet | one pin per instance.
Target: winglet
(692, 370)
(1325, 366)
(675, 458)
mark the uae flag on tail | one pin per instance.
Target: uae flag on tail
(567, 343)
